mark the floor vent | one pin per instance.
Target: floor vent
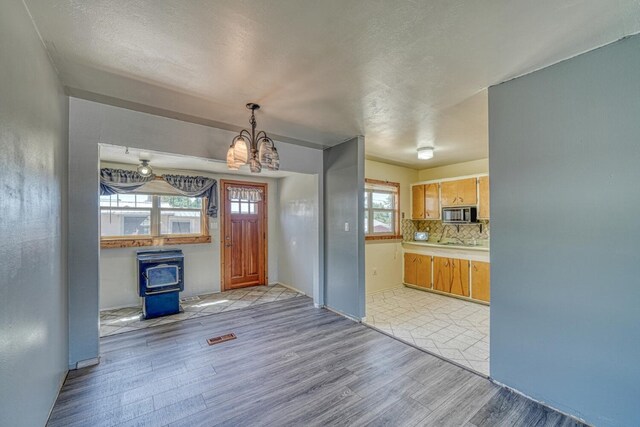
(185, 299)
(222, 338)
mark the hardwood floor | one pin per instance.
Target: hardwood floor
(292, 364)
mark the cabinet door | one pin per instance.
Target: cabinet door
(480, 280)
(467, 194)
(432, 201)
(417, 202)
(423, 271)
(461, 192)
(410, 269)
(459, 277)
(449, 193)
(483, 204)
(441, 269)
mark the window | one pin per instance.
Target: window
(126, 215)
(151, 216)
(180, 215)
(381, 209)
(239, 206)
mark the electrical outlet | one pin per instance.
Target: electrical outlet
(346, 226)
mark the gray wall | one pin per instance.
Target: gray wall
(565, 268)
(33, 174)
(344, 250)
(92, 123)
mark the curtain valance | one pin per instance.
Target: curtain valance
(245, 194)
(116, 181)
(196, 186)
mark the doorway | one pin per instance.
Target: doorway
(243, 234)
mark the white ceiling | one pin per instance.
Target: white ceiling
(167, 162)
(402, 73)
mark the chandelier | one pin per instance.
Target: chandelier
(257, 150)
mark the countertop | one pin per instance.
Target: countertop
(482, 246)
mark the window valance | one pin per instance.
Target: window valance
(245, 194)
(196, 186)
(115, 181)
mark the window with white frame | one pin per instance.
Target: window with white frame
(150, 215)
(381, 208)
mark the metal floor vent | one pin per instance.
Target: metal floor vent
(187, 299)
(222, 338)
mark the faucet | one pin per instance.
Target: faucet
(454, 238)
(444, 232)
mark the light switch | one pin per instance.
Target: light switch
(346, 226)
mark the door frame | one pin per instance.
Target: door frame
(265, 218)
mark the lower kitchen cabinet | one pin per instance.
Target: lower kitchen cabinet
(480, 280)
(451, 275)
(417, 270)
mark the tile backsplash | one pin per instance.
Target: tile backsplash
(437, 228)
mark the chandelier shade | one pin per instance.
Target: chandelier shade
(255, 149)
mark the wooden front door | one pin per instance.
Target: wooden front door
(244, 236)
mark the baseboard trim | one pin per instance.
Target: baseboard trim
(348, 316)
(63, 378)
(573, 417)
(85, 363)
(293, 288)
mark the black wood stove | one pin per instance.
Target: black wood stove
(160, 279)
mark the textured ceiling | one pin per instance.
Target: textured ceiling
(402, 73)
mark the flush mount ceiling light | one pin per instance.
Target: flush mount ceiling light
(425, 153)
(144, 169)
(257, 150)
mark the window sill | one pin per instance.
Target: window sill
(384, 237)
(136, 242)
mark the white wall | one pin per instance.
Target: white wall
(383, 259)
(118, 280)
(298, 232)
(91, 123)
(33, 224)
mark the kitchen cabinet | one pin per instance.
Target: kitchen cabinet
(480, 280)
(425, 201)
(417, 270)
(417, 202)
(432, 201)
(451, 275)
(483, 203)
(461, 192)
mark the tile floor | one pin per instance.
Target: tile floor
(450, 327)
(130, 318)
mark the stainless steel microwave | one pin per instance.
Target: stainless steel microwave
(460, 215)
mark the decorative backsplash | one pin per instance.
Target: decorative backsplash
(436, 229)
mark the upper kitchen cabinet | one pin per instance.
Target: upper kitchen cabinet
(417, 202)
(425, 201)
(461, 192)
(483, 205)
(432, 201)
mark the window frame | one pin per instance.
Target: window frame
(394, 189)
(155, 237)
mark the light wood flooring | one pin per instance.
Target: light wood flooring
(291, 365)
